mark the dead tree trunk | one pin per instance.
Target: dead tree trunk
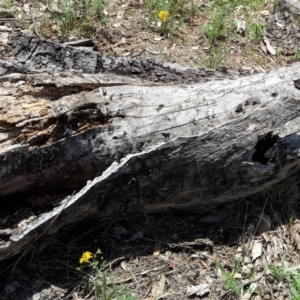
(139, 146)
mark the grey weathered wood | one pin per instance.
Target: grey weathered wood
(141, 146)
(292, 5)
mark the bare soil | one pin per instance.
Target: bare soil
(166, 256)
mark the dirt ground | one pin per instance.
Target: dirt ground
(228, 253)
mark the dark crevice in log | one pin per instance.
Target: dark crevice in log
(20, 207)
(265, 152)
(53, 92)
(43, 132)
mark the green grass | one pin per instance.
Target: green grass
(291, 277)
(104, 286)
(214, 29)
(217, 27)
(221, 27)
(231, 284)
(216, 57)
(6, 4)
(81, 16)
(179, 13)
(297, 54)
(257, 31)
(106, 289)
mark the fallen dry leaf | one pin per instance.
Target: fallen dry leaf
(198, 290)
(204, 264)
(256, 250)
(158, 288)
(270, 49)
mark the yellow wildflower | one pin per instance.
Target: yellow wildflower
(86, 256)
(163, 15)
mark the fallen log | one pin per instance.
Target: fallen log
(126, 144)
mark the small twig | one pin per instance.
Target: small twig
(112, 262)
(13, 20)
(132, 275)
(139, 53)
(35, 29)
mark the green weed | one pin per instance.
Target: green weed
(214, 29)
(275, 4)
(80, 16)
(295, 287)
(291, 218)
(278, 53)
(216, 58)
(257, 31)
(170, 15)
(289, 276)
(104, 286)
(280, 273)
(297, 57)
(231, 283)
(221, 25)
(6, 4)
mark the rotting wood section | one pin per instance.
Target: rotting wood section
(140, 146)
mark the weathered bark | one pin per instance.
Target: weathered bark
(145, 147)
(292, 5)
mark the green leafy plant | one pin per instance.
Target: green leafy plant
(280, 273)
(230, 282)
(214, 29)
(166, 16)
(104, 286)
(295, 287)
(292, 277)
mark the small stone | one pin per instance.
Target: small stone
(238, 256)
(10, 289)
(238, 276)
(259, 268)
(247, 260)
(275, 287)
(280, 297)
(267, 297)
(285, 293)
(36, 296)
(250, 266)
(257, 297)
(245, 270)
(267, 290)
(270, 279)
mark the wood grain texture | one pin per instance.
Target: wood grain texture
(128, 145)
